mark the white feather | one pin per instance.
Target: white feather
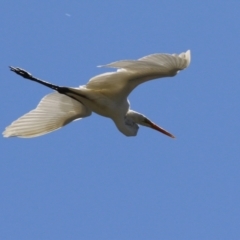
(53, 112)
(118, 85)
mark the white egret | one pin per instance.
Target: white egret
(105, 94)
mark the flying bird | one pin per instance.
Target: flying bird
(105, 94)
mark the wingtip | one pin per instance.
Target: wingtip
(188, 57)
(5, 135)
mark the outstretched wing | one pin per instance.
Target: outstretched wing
(53, 112)
(131, 73)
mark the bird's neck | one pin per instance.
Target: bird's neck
(126, 126)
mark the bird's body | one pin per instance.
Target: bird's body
(105, 94)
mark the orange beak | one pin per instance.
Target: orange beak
(156, 127)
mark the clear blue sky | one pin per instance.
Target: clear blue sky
(88, 181)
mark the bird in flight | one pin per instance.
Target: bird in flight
(105, 94)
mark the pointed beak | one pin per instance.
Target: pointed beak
(159, 129)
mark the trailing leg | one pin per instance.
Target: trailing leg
(63, 90)
(29, 76)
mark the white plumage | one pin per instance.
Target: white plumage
(53, 112)
(105, 94)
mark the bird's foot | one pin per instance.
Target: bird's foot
(21, 72)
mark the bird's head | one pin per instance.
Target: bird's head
(137, 118)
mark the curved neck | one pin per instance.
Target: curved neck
(126, 126)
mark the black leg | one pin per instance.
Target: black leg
(29, 76)
(63, 90)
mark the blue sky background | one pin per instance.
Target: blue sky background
(87, 180)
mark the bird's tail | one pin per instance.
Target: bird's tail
(53, 112)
